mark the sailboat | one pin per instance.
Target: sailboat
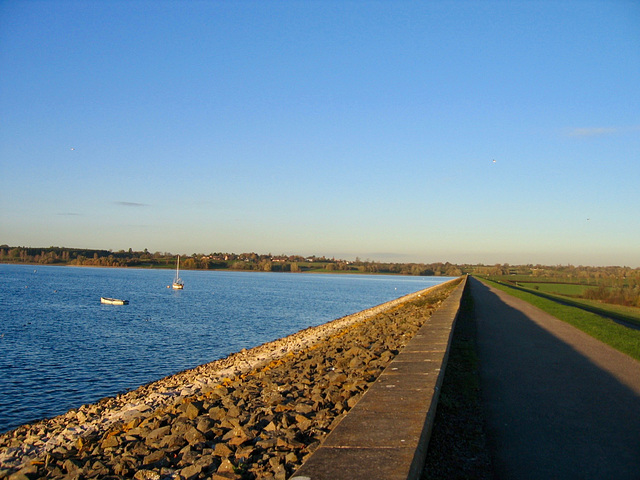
(178, 284)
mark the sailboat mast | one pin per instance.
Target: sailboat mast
(177, 282)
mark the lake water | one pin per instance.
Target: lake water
(61, 348)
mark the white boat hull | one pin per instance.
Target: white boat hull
(113, 301)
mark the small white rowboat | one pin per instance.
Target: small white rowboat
(113, 301)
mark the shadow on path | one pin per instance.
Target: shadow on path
(551, 411)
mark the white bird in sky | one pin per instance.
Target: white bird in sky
(494, 160)
(72, 148)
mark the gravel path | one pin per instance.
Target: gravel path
(558, 403)
(255, 414)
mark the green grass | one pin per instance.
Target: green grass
(624, 339)
(543, 279)
(558, 288)
(458, 447)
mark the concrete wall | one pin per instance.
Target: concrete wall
(386, 434)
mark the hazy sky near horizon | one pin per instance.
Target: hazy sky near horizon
(479, 132)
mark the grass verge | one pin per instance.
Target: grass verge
(457, 447)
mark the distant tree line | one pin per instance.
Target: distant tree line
(626, 295)
(612, 278)
(232, 261)
(75, 256)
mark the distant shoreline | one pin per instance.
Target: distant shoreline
(150, 267)
(218, 261)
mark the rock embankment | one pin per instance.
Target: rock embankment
(253, 415)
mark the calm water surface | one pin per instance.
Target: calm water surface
(61, 348)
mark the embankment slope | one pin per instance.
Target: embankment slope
(255, 414)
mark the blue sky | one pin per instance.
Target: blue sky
(338, 128)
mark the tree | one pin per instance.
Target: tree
(189, 263)
(266, 265)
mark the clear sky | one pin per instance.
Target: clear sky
(479, 132)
